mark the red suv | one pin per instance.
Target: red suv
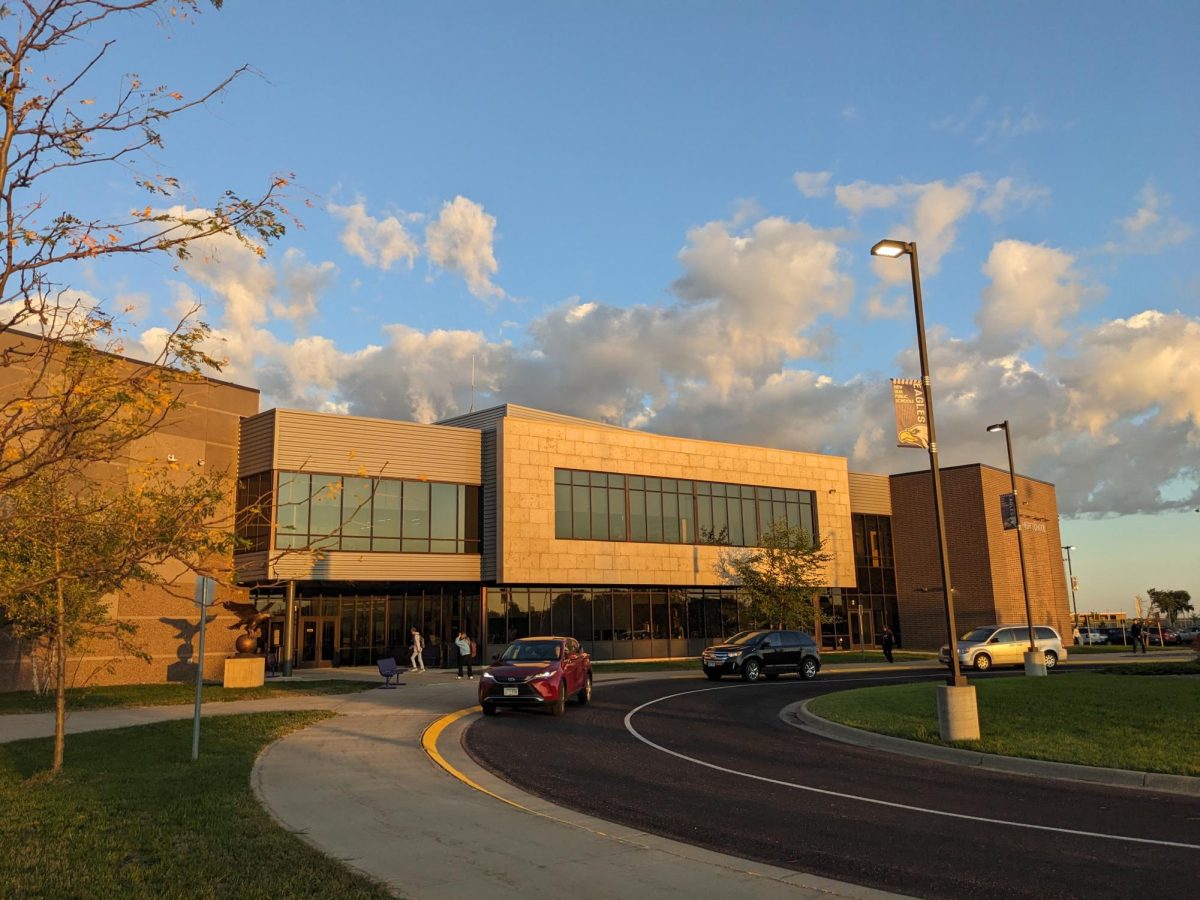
(537, 671)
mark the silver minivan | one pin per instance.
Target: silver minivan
(1004, 645)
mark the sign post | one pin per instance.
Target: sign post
(205, 591)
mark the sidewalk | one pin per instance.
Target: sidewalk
(360, 788)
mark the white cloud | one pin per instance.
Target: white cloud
(377, 242)
(1033, 289)
(1150, 229)
(460, 240)
(1008, 193)
(812, 184)
(859, 196)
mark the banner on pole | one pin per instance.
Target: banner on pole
(1008, 511)
(912, 421)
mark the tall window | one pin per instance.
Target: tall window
(337, 512)
(601, 506)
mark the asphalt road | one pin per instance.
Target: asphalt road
(1092, 841)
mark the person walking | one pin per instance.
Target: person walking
(1135, 635)
(463, 643)
(889, 643)
(416, 663)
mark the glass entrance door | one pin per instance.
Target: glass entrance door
(318, 641)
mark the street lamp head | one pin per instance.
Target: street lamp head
(890, 248)
(1000, 426)
(1070, 547)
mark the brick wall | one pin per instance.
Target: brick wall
(984, 561)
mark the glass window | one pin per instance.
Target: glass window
(602, 615)
(581, 614)
(637, 513)
(326, 505)
(416, 516)
(385, 517)
(599, 497)
(443, 518)
(622, 616)
(616, 514)
(291, 511)
(562, 510)
(670, 513)
(356, 514)
(581, 521)
(539, 612)
(560, 612)
(654, 520)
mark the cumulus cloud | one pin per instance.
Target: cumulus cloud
(1033, 289)
(460, 241)
(377, 242)
(1110, 412)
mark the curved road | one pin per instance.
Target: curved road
(843, 812)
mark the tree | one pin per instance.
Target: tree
(84, 509)
(65, 544)
(780, 578)
(1170, 603)
(52, 131)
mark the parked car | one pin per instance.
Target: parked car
(1187, 635)
(537, 672)
(1091, 636)
(1168, 637)
(1117, 636)
(1004, 645)
(763, 654)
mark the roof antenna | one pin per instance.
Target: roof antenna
(472, 409)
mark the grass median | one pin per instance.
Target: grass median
(1147, 724)
(124, 695)
(132, 816)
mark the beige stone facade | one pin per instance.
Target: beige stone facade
(202, 433)
(530, 449)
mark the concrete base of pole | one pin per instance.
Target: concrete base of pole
(958, 714)
(1035, 663)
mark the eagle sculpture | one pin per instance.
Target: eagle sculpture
(250, 617)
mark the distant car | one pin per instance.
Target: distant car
(1187, 635)
(763, 654)
(1117, 636)
(1092, 636)
(537, 672)
(1004, 645)
(1169, 636)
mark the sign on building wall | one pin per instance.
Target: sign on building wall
(912, 421)
(1008, 511)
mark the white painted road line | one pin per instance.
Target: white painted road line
(877, 802)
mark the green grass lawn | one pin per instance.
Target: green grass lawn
(1148, 724)
(108, 696)
(132, 816)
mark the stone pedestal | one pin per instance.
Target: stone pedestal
(245, 672)
(1035, 663)
(958, 715)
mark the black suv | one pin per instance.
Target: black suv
(763, 654)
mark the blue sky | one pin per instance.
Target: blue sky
(661, 215)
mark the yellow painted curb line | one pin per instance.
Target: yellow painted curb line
(429, 739)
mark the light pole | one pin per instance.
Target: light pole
(1035, 663)
(958, 715)
(1071, 582)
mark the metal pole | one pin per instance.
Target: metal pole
(1071, 575)
(956, 679)
(1012, 479)
(289, 628)
(204, 596)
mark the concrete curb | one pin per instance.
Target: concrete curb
(798, 716)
